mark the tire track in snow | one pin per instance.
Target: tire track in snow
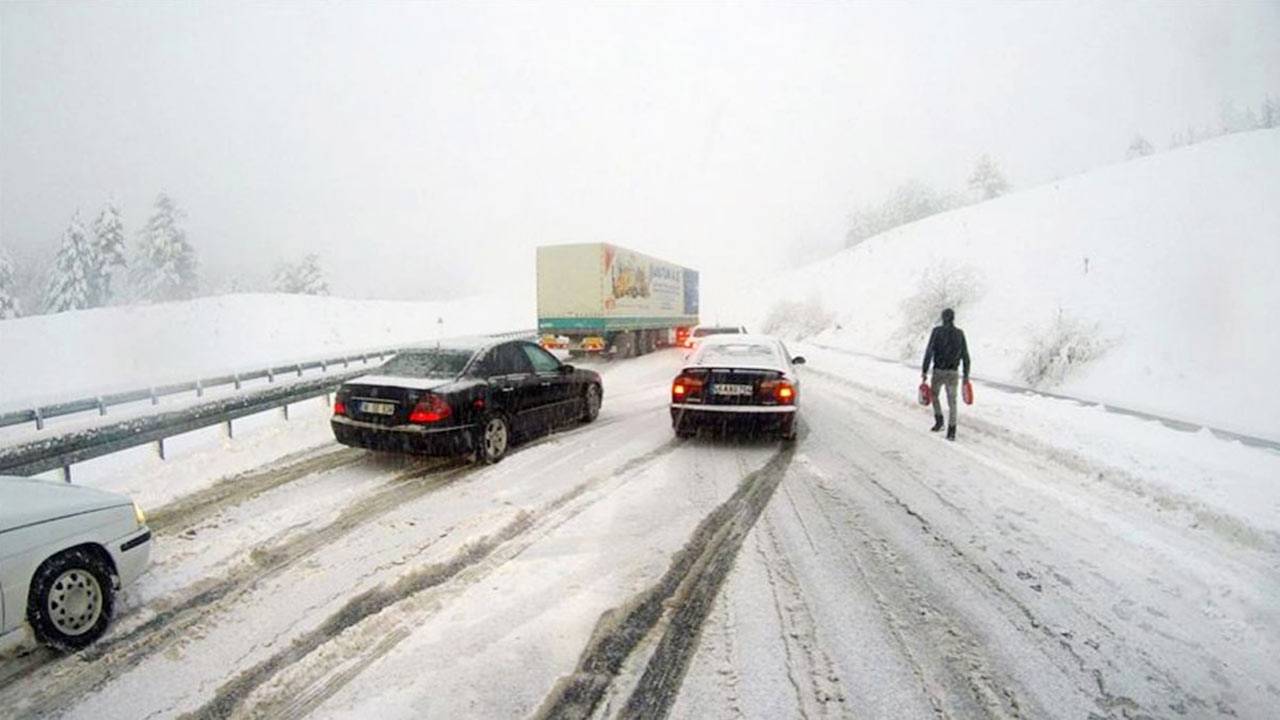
(685, 596)
(228, 492)
(821, 695)
(366, 638)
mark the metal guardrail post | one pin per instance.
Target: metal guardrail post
(299, 367)
(199, 389)
(102, 407)
(154, 400)
(230, 432)
(160, 448)
(236, 378)
(271, 377)
(39, 420)
(66, 473)
(285, 410)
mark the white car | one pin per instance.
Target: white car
(702, 332)
(65, 550)
(740, 381)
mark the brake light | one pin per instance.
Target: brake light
(339, 407)
(430, 409)
(684, 386)
(783, 392)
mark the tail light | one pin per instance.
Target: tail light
(430, 409)
(339, 407)
(684, 386)
(781, 391)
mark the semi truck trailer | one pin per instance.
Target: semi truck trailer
(601, 299)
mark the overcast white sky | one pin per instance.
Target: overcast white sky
(424, 149)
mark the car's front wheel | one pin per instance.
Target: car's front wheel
(492, 439)
(71, 597)
(591, 403)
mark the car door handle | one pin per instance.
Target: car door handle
(508, 388)
(546, 384)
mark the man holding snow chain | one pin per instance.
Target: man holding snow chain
(947, 349)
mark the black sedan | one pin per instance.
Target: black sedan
(464, 397)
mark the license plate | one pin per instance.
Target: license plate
(733, 389)
(377, 408)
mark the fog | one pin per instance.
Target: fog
(423, 150)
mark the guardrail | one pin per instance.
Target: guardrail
(101, 403)
(63, 451)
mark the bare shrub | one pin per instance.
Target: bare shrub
(941, 286)
(797, 320)
(1057, 350)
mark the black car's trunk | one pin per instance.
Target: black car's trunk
(379, 404)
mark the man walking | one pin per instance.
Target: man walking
(947, 349)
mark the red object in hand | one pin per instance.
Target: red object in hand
(968, 393)
(926, 395)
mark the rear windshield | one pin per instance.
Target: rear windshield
(705, 331)
(738, 354)
(427, 364)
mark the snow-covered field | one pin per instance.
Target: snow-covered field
(1057, 561)
(1162, 269)
(83, 353)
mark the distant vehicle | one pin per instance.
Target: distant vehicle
(65, 550)
(466, 397)
(701, 332)
(609, 301)
(740, 381)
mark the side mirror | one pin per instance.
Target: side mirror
(567, 369)
(798, 360)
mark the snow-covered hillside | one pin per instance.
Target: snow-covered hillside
(73, 354)
(1162, 269)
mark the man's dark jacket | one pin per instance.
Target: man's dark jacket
(947, 349)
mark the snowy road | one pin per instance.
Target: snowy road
(870, 570)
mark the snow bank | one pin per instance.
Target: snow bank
(1149, 284)
(82, 353)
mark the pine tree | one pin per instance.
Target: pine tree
(987, 180)
(108, 242)
(166, 265)
(72, 279)
(9, 307)
(304, 278)
(1270, 115)
(1139, 147)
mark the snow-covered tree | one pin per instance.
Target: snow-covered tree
(910, 201)
(302, 278)
(1139, 147)
(9, 305)
(165, 268)
(987, 180)
(71, 283)
(108, 245)
(1269, 117)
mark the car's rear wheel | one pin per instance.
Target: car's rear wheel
(71, 597)
(682, 429)
(492, 439)
(787, 430)
(591, 403)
